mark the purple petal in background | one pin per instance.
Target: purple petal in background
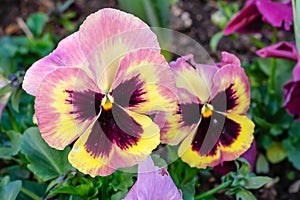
(278, 14)
(286, 50)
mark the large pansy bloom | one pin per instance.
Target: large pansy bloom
(251, 18)
(214, 101)
(98, 89)
(153, 183)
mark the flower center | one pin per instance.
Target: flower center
(107, 102)
(206, 110)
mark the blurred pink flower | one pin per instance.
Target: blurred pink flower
(286, 50)
(153, 183)
(256, 12)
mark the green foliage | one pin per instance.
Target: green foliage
(156, 13)
(36, 23)
(9, 189)
(221, 18)
(44, 161)
(243, 180)
(10, 147)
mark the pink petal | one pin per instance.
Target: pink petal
(108, 35)
(286, 50)
(276, 13)
(67, 53)
(292, 98)
(153, 184)
(59, 118)
(247, 20)
(102, 39)
(296, 71)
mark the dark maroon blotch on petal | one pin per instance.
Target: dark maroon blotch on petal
(228, 98)
(207, 136)
(230, 132)
(86, 104)
(129, 93)
(190, 113)
(114, 126)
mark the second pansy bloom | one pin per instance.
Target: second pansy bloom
(98, 89)
(214, 102)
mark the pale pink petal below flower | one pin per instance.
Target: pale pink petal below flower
(153, 184)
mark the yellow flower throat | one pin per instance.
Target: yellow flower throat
(107, 102)
(206, 110)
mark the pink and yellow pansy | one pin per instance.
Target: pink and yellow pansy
(98, 89)
(214, 101)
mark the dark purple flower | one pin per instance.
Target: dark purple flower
(286, 50)
(291, 92)
(256, 12)
(249, 155)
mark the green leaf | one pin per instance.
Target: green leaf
(292, 152)
(158, 161)
(44, 161)
(36, 23)
(5, 89)
(75, 185)
(245, 168)
(122, 181)
(14, 145)
(256, 182)
(8, 47)
(245, 195)
(214, 41)
(188, 190)
(296, 13)
(15, 99)
(276, 153)
(10, 190)
(262, 165)
(119, 195)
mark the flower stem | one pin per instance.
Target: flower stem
(271, 86)
(12, 120)
(296, 13)
(30, 194)
(213, 191)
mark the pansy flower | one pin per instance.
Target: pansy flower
(214, 101)
(252, 17)
(153, 183)
(99, 90)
